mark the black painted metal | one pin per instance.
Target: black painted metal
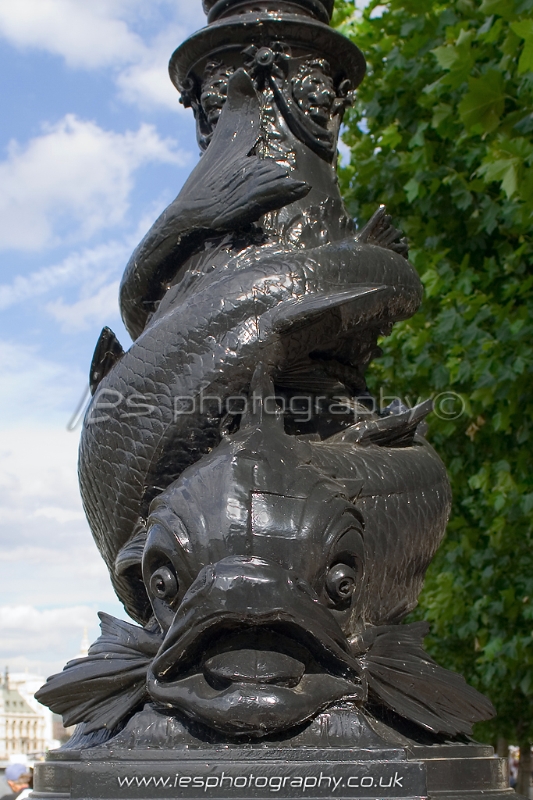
(265, 523)
(303, 773)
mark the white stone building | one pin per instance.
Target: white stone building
(26, 684)
(27, 728)
(22, 728)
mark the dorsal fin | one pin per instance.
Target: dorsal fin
(262, 392)
(107, 352)
(394, 430)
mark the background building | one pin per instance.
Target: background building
(25, 725)
(28, 729)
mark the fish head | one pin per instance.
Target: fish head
(253, 564)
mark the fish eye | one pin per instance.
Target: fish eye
(164, 584)
(341, 582)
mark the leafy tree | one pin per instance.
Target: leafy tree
(441, 134)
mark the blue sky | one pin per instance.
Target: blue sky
(93, 146)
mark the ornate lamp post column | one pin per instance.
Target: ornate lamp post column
(264, 523)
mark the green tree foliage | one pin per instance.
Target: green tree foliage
(441, 133)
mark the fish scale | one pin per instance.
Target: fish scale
(198, 343)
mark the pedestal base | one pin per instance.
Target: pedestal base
(448, 772)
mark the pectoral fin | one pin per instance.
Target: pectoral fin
(404, 678)
(288, 316)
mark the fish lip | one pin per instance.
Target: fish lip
(176, 678)
(252, 710)
(183, 657)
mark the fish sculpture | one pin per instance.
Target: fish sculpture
(281, 595)
(208, 333)
(266, 526)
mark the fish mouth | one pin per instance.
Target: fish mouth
(252, 651)
(253, 680)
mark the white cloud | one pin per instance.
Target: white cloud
(47, 548)
(67, 572)
(146, 81)
(85, 34)
(52, 578)
(34, 389)
(102, 33)
(88, 265)
(93, 310)
(37, 473)
(59, 514)
(12, 618)
(43, 640)
(92, 270)
(76, 175)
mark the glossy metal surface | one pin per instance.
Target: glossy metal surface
(262, 520)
